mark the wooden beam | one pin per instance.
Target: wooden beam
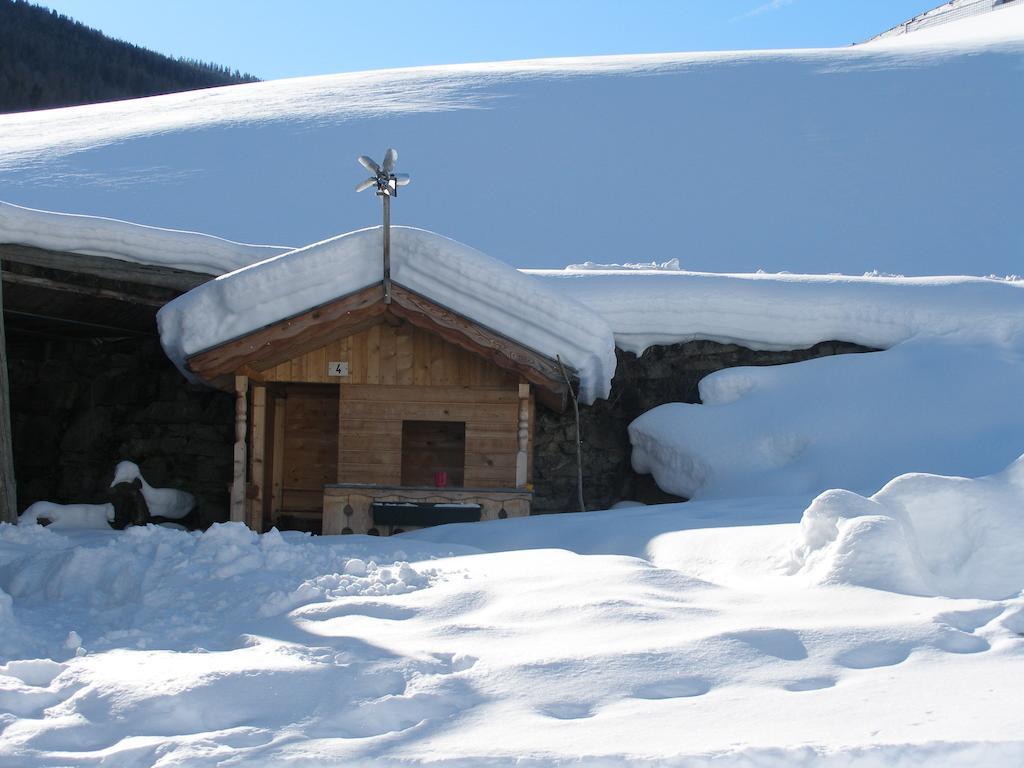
(277, 458)
(321, 338)
(257, 469)
(238, 490)
(281, 337)
(8, 497)
(523, 435)
(79, 290)
(456, 329)
(179, 280)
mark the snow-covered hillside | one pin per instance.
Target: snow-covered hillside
(901, 156)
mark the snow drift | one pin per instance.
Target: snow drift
(938, 405)
(902, 157)
(157, 587)
(449, 273)
(921, 534)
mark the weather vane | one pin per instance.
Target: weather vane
(387, 183)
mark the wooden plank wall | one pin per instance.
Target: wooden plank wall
(402, 355)
(309, 446)
(370, 448)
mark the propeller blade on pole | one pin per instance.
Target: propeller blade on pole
(368, 164)
(366, 184)
(402, 179)
(390, 158)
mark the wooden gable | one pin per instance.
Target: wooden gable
(386, 354)
(262, 353)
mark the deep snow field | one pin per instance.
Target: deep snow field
(862, 631)
(899, 155)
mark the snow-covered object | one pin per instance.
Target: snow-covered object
(162, 502)
(456, 276)
(935, 405)
(782, 311)
(68, 515)
(921, 534)
(939, 27)
(896, 156)
(96, 236)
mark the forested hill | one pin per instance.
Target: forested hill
(49, 60)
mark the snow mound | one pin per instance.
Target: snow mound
(68, 515)
(449, 273)
(936, 405)
(97, 236)
(171, 503)
(645, 307)
(921, 534)
(159, 587)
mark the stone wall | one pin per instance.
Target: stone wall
(80, 405)
(663, 374)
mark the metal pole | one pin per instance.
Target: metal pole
(8, 497)
(387, 248)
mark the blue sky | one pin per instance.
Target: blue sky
(288, 38)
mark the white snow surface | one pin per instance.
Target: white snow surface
(98, 236)
(645, 307)
(449, 273)
(998, 24)
(931, 404)
(68, 515)
(921, 534)
(171, 503)
(899, 156)
(664, 635)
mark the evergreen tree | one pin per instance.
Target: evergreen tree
(49, 60)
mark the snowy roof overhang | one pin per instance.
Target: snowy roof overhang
(254, 318)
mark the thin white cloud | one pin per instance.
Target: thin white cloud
(771, 5)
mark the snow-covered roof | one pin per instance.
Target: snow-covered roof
(455, 276)
(644, 307)
(97, 236)
(902, 158)
(950, 13)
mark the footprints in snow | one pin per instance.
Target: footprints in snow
(677, 688)
(874, 654)
(780, 643)
(810, 684)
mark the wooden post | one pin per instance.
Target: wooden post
(8, 497)
(257, 471)
(238, 480)
(524, 435)
(277, 461)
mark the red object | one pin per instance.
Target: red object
(441, 479)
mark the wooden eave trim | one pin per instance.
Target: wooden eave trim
(79, 290)
(478, 339)
(106, 267)
(283, 336)
(341, 317)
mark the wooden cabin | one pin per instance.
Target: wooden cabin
(380, 413)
